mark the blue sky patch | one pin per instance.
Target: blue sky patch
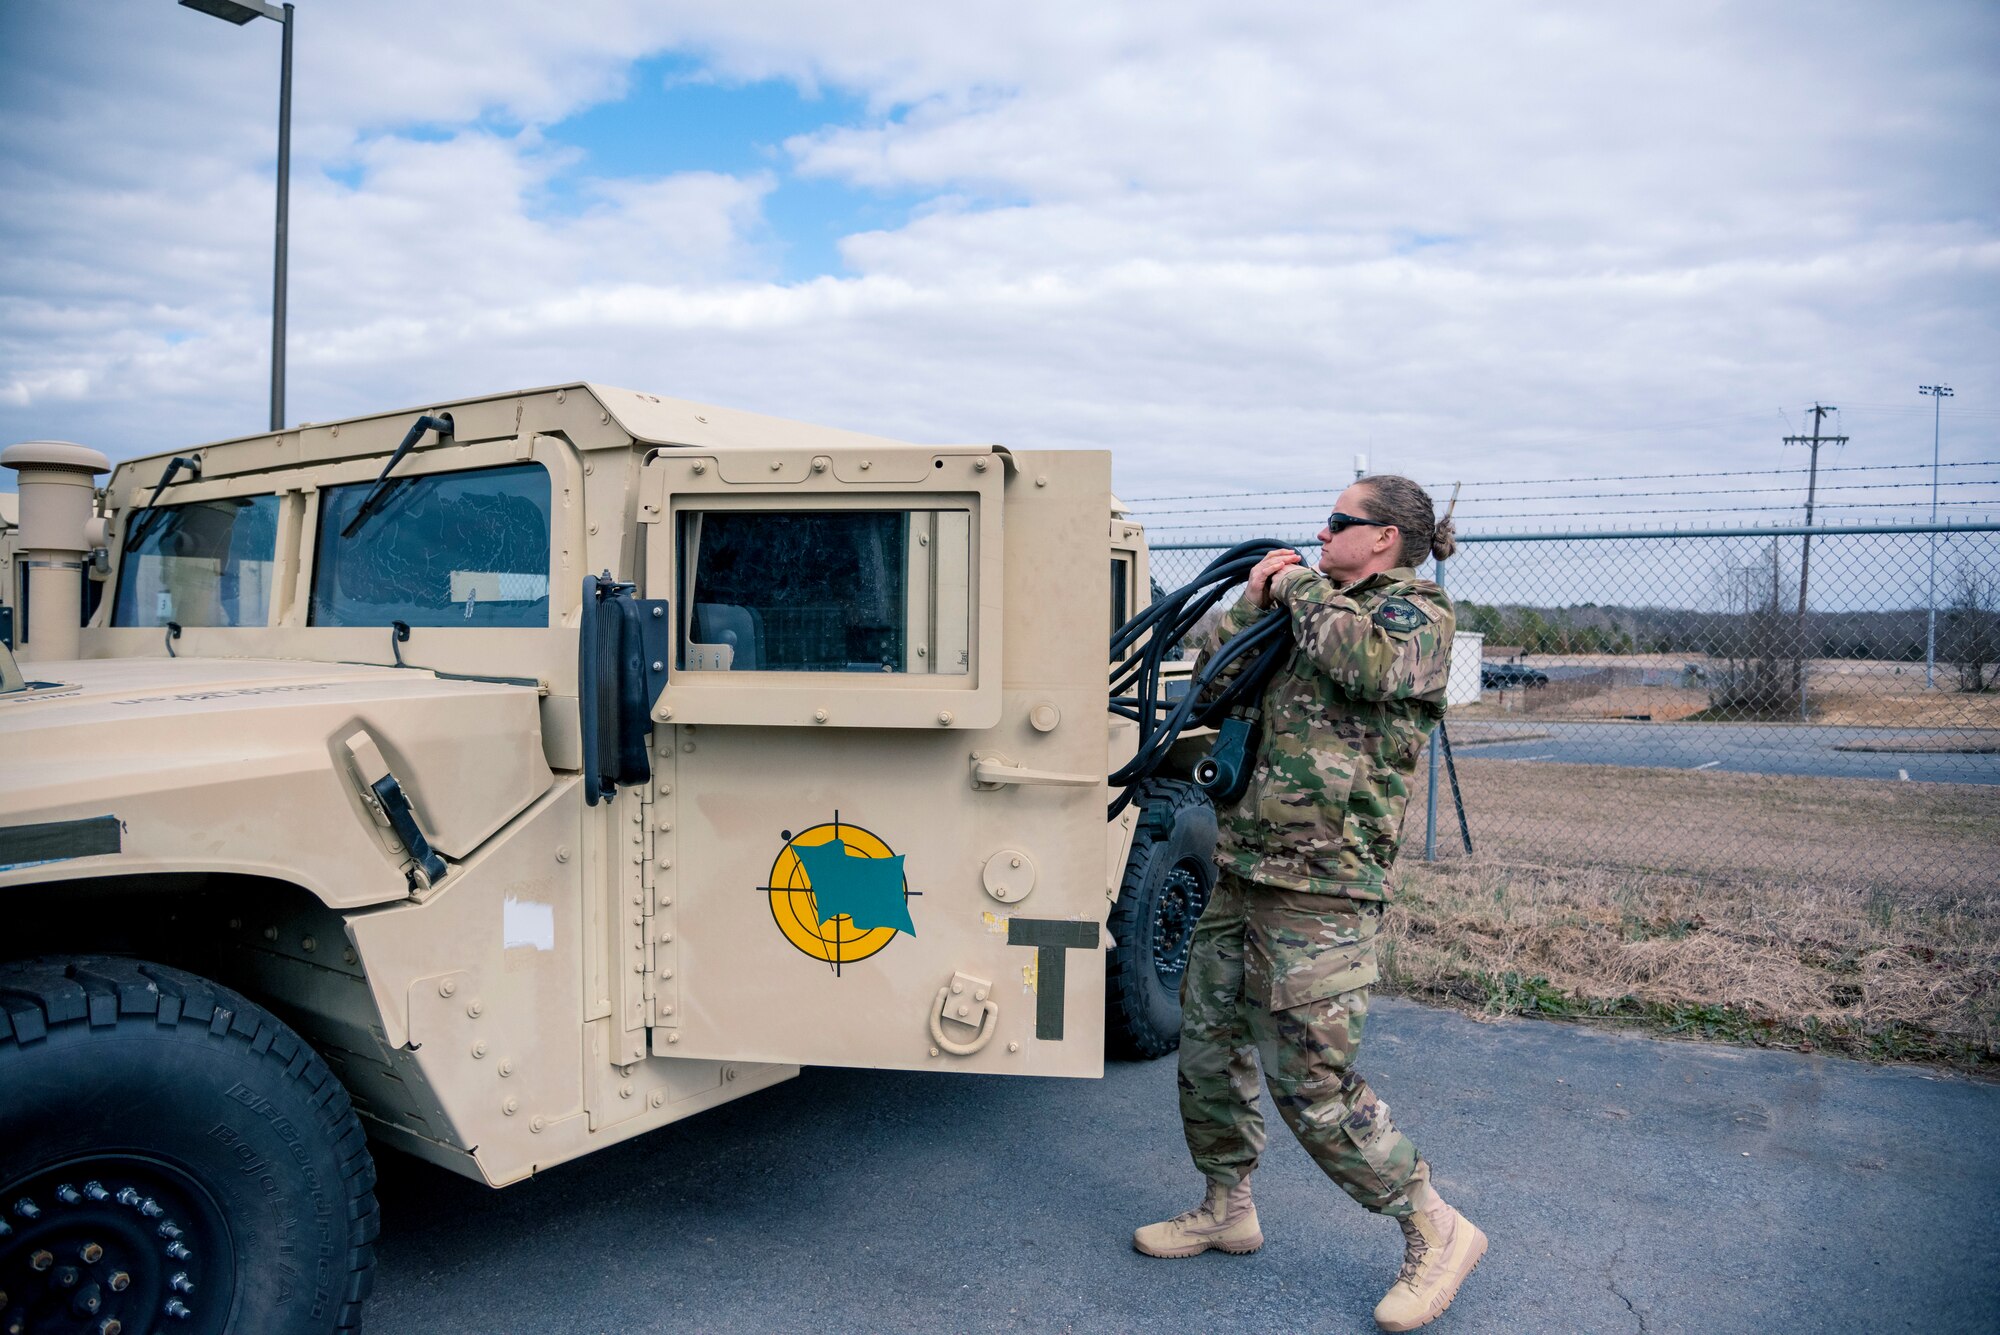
(1415, 241)
(677, 119)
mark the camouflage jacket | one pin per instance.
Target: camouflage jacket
(1340, 728)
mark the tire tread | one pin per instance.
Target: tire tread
(37, 996)
(1162, 803)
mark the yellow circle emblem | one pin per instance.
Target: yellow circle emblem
(794, 907)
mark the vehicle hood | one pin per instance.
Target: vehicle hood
(241, 765)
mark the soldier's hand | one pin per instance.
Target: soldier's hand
(1259, 592)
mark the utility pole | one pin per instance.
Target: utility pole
(1938, 393)
(240, 12)
(283, 228)
(1815, 440)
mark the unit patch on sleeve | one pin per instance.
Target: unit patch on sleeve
(1400, 614)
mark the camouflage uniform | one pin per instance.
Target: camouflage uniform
(1284, 955)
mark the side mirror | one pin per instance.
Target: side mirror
(621, 668)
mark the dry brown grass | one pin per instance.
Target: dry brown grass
(1861, 707)
(1849, 914)
(1840, 692)
(1904, 838)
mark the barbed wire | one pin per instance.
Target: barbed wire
(1961, 505)
(1616, 495)
(1604, 477)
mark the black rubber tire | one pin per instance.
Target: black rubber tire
(118, 1071)
(1168, 877)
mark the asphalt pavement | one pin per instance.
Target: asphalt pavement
(1740, 748)
(1628, 1184)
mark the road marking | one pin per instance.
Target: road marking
(1550, 756)
(1903, 774)
(1710, 765)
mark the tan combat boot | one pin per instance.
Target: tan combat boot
(1440, 1248)
(1225, 1219)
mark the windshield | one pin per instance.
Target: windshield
(206, 563)
(442, 549)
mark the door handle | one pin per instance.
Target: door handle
(996, 771)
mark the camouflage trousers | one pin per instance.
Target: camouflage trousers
(1280, 978)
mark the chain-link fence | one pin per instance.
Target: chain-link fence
(1816, 706)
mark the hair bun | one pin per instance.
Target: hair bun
(1444, 541)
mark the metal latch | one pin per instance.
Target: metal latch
(990, 771)
(390, 806)
(396, 806)
(964, 1001)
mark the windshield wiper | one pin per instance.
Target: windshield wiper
(440, 424)
(146, 515)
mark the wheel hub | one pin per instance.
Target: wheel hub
(1179, 906)
(112, 1245)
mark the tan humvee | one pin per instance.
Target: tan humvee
(10, 524)
(604, 758)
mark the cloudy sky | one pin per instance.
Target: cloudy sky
(1233, 242)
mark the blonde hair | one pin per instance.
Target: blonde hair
(1399, 501)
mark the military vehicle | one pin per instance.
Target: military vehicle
(14, 572)
(10, 524)
(507, 778)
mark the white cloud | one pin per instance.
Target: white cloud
(1231, 242)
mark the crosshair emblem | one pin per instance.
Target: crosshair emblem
(839, 893)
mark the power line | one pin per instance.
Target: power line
(1917, 408)
(1607, 477)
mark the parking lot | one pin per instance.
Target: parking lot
(1628, 1184)
(1740, 748)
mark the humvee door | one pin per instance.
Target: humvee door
(879, 790)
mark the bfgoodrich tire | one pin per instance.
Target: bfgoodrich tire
(172, 1157)
(1168, 877)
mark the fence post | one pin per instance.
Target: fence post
(1431, 803)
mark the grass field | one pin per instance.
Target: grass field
(1840, 692)
(1838, 914)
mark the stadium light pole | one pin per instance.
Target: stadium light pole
(1938, 393)
(240, 12)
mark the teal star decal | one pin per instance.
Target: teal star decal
(868, 890)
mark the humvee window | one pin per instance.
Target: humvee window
(206, 563)
(1121, 579)
(443, 549)
(826, 591)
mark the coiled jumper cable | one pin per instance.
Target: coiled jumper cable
(1216, 697)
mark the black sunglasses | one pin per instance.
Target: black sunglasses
(1338, 523)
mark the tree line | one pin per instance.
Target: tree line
(1764, 629)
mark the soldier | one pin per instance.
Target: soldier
(1284, 956)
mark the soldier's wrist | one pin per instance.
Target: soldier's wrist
(1285, 581)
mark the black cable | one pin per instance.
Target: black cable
(1215, 692)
